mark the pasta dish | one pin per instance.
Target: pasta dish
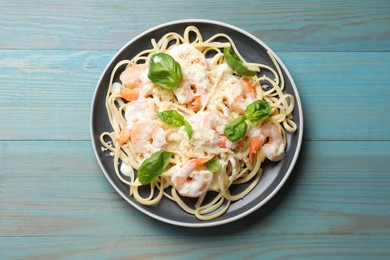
(192, 121)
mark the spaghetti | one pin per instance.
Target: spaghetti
(209, 98)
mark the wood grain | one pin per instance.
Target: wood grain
(198, 247)
(336, 189)
(50, 93)
(57, 203)
(285, 26)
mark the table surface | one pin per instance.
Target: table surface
(55, 201)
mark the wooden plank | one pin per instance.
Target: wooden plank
(344, 95)
(285, 26)
(56, 189)
(197, 246)
(47, 95)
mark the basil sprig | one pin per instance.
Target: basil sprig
(165, 71)
(153, 166)
(173, 118)
(213, 165)
(235, 63)
(255, 112)
(236, 129)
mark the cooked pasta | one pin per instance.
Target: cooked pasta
(206, 132)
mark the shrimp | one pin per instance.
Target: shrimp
(246, 96)
(136, 111)
(147, 137)
(208, 129)
(124, 135)
(134, 82)
(129, 94)
(274, 148)
(190, 179)
(186, 54)
(139, 110)
(223, 141)
(130, 77)
(196, 84)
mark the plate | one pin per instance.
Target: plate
(274, 175)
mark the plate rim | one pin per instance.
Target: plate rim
(278, 186)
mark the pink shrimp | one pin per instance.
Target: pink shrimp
(130, 77)
(249, 89)
(215, 121)
(136, 111)
(222, 141)
(196, 84)
(124, 135)
(248, 95)
(274, 148)
(129, 94)
(190, 179)
(147, 137)
(196, 104)
(131, 82)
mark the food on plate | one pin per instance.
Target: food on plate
(192, 120)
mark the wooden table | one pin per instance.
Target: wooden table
(55, 201)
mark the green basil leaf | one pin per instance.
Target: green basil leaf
(153, 166)
(171, 117)
(235, 63)
(257, 111)
(213, 165)
(236, 129)
(164, 71)
(188, 129)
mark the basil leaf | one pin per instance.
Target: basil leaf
(235, 63)
(188, 129)
(257, 111)
(173, 118)
(164, 71)
(236, 129)
(153, 166)
(213, 165)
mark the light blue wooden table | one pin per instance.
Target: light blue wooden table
(55, 201)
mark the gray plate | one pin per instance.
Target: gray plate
(275, 174)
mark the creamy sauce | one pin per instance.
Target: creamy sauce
(191, 188)
(126, 169)
(139, 111)
(116, 86)
(190, 181)
(194, 68)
